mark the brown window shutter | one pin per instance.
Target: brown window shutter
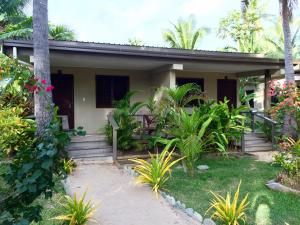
(103, 91)
(120, 87)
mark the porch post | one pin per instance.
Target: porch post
(267, 99)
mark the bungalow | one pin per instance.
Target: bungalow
(88, 77)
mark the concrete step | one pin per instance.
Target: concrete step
(94, 160)
(255, 141)
(249, 137)
(258, 149)
(266, 144)
(88, 145)
(88, 138)
(88, 152)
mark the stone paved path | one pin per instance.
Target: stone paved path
(120, 200)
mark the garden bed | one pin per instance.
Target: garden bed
(266, 206)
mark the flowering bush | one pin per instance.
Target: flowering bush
(289, 157)
(35, 160)
(288, 96)
(34, 85)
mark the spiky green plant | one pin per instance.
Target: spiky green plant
(77, 212)
(185, 34)
(157, 170)
(230, 211)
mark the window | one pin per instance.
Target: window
(198, 81)
(182, 81)
(110, 89)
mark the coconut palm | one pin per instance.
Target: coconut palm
(11, 12)
(136, 42)
(286, 10)
(275, 38)
(61, 33)
(43, 103)
(244, 5)
(185, 34)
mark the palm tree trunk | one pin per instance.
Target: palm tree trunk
(43, 102)
(289, 119)
(288, 52)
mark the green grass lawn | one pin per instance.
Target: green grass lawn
(266, 207)
(51, 207)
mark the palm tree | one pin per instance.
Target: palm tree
(286, 9)
(11, 12)
(61, 33)
(185, 34)
(43, 103)
(275, 38)
(136, 42)
(244, 5)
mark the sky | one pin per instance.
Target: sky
(115, 21)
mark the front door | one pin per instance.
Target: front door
(227, 88)
(63, 95)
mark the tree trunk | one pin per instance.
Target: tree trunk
(43, 102)
(244, 6)
(289, 120)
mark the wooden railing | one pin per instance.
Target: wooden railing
(115, 128)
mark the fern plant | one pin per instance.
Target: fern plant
(157, 170)
(229, 211)
(77, 212)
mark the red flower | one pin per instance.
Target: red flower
(43, 81)
(49, 88)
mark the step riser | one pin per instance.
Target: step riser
(254, 142)
(88, 138)
(96, 160)
(258, 149)
(83, 153)
(88, 145)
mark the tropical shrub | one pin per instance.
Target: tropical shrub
(16, 132)
(30, 174)
(189, 135)
(128, 125)
(230, 211)
(289, 157)
(210, 126)
(15, 95)
(77, 212)
(158, 170)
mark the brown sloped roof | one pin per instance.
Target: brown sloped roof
(146, 51)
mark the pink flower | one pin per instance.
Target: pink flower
(49, 88)
(43, 81)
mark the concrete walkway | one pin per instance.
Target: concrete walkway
(120, 200)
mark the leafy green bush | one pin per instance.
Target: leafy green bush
(16, 132)
(15, 94)
(208, 127)
(30, 174)
(77, 212)
(128, 125)
(158, 170)
(229, 211)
